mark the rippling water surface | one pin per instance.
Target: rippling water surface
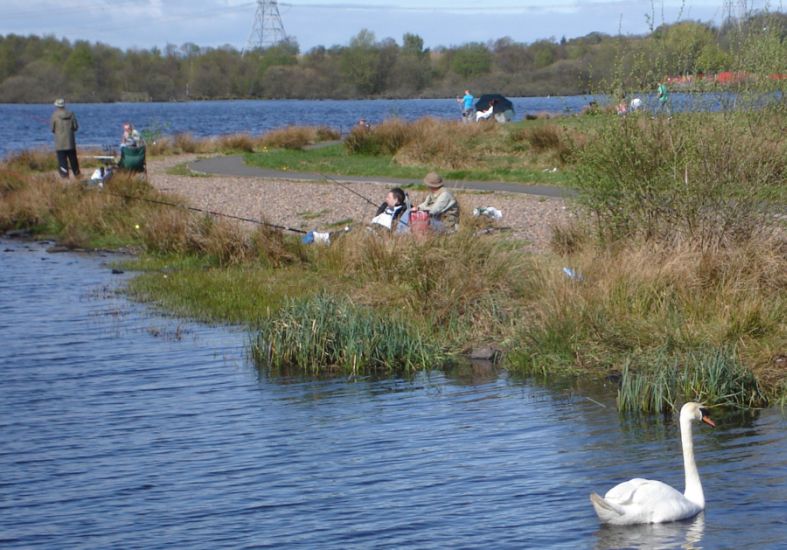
(122, 428)
(100, 124)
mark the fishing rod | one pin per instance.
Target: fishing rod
(210, 212)
(353, 191)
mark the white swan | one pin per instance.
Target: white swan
(646, 501)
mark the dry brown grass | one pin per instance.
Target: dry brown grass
(444, 145)
(427, 141)
(641, 297)
(297, 137)
(236, 142)
(454, 281)
(10, 180)
(32, 160)
(27, 200)
(557, 142)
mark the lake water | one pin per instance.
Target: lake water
(27, 126)
(124, 428)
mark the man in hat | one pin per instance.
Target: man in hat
(440, 204)
(64, 126)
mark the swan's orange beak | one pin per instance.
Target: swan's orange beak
(708, 421)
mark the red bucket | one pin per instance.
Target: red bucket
(419, 221)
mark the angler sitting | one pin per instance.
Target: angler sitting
(440, 204)
(131, 137)
(394, 213)
(132, 150)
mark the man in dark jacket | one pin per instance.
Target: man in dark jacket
(64, 126)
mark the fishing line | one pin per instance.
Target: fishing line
(210, 212)
(353, 191)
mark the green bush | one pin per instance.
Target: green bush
(709, 179)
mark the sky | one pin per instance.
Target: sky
(212, 23)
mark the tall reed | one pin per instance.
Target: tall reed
(327, 333)
(660, 381)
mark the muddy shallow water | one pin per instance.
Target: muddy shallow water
(123, 428)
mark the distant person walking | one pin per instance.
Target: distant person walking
(467, 106)
(663, 94)
(64, 126)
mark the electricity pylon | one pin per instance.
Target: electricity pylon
(268, 28)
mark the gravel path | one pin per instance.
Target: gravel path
(316, 205)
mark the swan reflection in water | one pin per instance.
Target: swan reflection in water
(653, 536)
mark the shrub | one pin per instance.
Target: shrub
(705, 179)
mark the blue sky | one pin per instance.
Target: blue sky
(147, 23)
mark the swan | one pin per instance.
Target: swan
(647, 501)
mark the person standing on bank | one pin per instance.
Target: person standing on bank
(440, 204)
(64, 126)
(467, 106)
(663, 95)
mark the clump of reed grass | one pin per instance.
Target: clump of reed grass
(385, 138)
(639, 297)
(466, 286)
(236, 142)
(10, 180)
(32, 160)
(661, 380)
(325, 333)
(325, 133)
(559, 142)
(186, 143)
(27, 200)
(427, 141)
(569, 238)
(444, 145)
(297, 137)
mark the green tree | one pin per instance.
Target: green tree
(544, 53)
(360, 63)
(412, 71)
(471, 60)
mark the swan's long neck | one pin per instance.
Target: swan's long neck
(693, 490)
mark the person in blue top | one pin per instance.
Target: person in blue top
(467, 106)
(663, 94)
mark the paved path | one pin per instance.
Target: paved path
(234, 165)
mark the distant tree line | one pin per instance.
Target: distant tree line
(37, 69)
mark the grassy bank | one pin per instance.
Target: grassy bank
(673, 292)
(532, 151)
